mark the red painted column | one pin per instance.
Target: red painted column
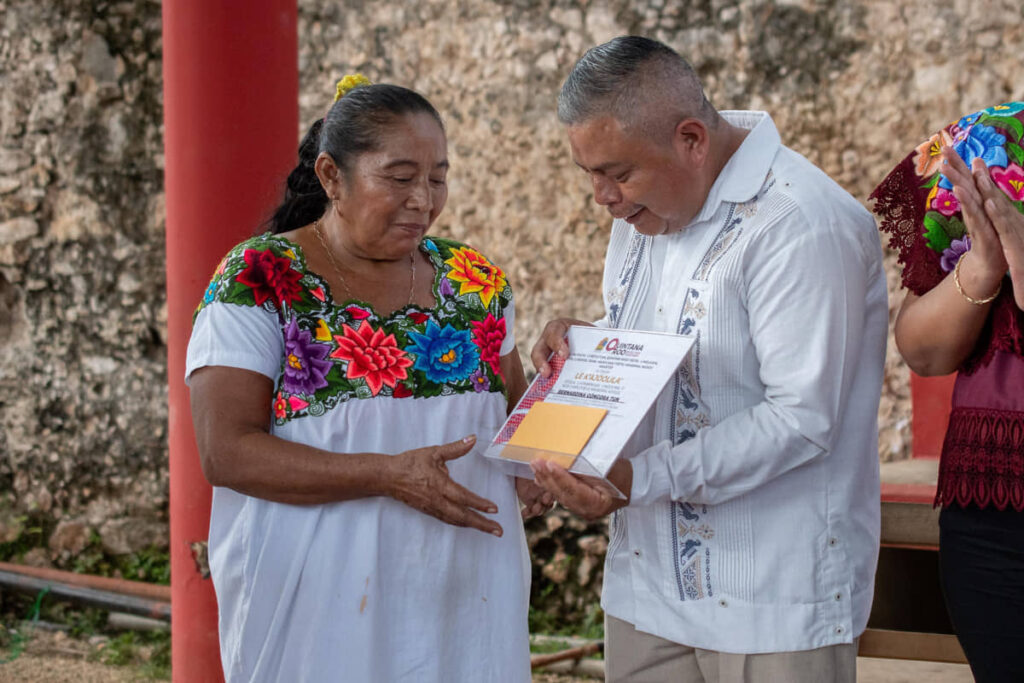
(930, 404)
(230, 136)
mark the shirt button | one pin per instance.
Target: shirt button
(637, 553)
(723, 603)
(839, 630)
(838, 596)
(661, 309)
(833, 541)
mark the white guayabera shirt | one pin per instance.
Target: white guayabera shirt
(754, 521)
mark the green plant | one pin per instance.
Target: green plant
(149, 651)
(151, 564)
(20, 636)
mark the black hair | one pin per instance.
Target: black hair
(352, 127)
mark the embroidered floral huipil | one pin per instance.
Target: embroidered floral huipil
(366, 589)
(982, 459)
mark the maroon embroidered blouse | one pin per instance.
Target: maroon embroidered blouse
(982, 458)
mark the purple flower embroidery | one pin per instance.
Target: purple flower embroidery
(479, 381)
(957, 248)
(445, 288)
(304, 364)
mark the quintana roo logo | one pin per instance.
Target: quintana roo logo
(607, 344)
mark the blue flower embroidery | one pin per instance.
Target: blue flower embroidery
(982, 142)
(429, 244)
(444, 354)
(1008, 109)
(967, 120)
(208, 295)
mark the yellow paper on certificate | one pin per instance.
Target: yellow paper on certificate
(557, 427)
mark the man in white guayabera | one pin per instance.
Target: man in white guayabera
(746, 550)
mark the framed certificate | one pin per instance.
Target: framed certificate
(583, 414)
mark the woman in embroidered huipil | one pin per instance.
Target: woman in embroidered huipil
(954, 210)
(339, 365)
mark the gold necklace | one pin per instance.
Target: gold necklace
(318, 229)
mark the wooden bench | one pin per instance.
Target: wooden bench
(908, 618)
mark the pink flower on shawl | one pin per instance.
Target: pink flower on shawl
(945, 202)
(1010, 180)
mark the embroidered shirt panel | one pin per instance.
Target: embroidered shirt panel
(335, 352)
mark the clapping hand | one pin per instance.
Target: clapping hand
(1008, 223)
(985, 264)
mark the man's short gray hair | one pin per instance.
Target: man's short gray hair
(642, 83)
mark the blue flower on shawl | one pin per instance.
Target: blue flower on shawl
(444, 354)
(979, 142)
(210, 291)
(1008, 109)
(968, 119)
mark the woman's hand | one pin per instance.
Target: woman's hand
(1009, 226)
(985, 264)
(419, 478)
(536, 501)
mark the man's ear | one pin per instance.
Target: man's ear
(691, 142)
(328, 173)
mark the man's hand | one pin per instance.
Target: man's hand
(587, 499)
(552, 339)
(535, 500)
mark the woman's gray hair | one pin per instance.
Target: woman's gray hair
(638, 81)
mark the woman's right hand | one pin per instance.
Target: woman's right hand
(419, 478)
(984, 265)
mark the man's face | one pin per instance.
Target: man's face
(651, 184)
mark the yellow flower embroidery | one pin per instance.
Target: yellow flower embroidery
(474, 273)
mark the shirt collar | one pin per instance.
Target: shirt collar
(743, 175)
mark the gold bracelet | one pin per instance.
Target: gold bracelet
(956, 281)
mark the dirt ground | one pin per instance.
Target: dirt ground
(55, 658)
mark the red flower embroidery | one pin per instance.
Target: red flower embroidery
(372, 356)
(270, 277)
(280, 407)
(417, 317)
(401, 391)
(357, 313)
(488, 334)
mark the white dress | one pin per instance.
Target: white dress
(368, 589)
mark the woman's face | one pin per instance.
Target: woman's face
(392, 195)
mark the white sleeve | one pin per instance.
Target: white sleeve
(807, 301)
(509, 342)
(234, 336)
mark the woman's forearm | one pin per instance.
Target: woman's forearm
(264, 466)
(937, 331)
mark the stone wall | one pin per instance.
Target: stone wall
(853, 85)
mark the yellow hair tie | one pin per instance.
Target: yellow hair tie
(349, 83)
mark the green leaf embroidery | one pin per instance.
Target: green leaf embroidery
(932, 183)
(1006, 123)
(1015, 152)
(940, 231)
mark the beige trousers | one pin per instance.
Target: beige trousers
(633, 656)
